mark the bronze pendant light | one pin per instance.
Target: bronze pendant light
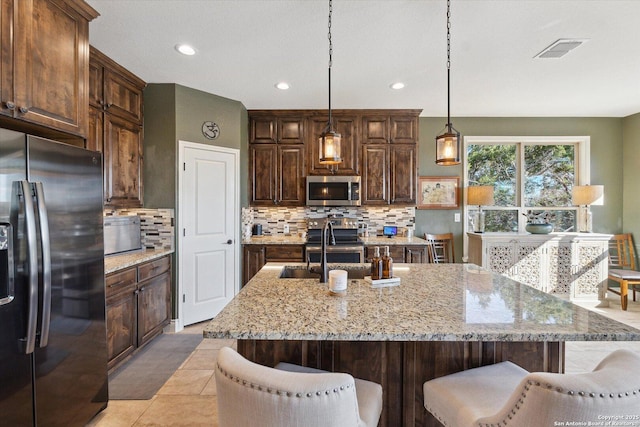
(329, 141)
(448, 143)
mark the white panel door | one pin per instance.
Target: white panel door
(208, 226)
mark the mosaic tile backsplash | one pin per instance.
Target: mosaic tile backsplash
(156, 226)
(274, 219)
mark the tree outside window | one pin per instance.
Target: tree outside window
(532, 179)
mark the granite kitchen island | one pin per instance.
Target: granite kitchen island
(441, 319)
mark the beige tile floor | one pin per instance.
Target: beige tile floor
(188, 398)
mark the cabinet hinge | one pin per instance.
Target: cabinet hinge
(184, 298)
(184, 232)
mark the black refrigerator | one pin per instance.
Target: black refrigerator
(53, 351)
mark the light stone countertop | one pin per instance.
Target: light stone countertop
(396, 240)
(434, 302)
(294, 239)
(113, 263)
(278, 239)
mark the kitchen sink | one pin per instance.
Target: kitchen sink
(299, 272)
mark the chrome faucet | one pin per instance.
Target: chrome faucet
(323, 270)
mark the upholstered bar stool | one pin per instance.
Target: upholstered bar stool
(290, 396)
(506, 395)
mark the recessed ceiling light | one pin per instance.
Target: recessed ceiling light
(397, 85)
(185, 49)
(560, 48)
(282, 85)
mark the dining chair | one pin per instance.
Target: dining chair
(504, 394)
(440, 248)
(622, 267)
(289, 395)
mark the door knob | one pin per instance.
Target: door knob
(229, 242)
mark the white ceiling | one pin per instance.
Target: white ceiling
(244, 47)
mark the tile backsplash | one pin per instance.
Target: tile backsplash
(156, 226)
(274, 219)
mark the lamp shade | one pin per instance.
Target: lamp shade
(588, 194)
(481, 195)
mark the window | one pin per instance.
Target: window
(532, 178)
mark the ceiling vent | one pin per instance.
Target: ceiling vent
(560, 48)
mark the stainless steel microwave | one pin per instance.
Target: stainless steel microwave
(334, 190)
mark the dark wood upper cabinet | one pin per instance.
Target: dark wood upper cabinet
(375, 174)
(45, 56)
(114, 89)
(115, 129)
(390, 128)
(404, 172)
(291, 175)
(122, 152)
(263, 162)
(347, 126)
(379, 145)
(271, 129)
(277, 174)
(404, 129)
(375, 129)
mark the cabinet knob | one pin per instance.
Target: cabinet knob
(229, 242)
(24, 110)
(10, 105)
(109, 105)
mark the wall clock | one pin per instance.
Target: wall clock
(210, 130)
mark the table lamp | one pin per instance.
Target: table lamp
(481, 195)
(585, 196)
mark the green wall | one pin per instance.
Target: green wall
(606, 151)
(630, 169)
(159, 146)
(173, 113)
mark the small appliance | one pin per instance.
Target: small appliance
(334, 190)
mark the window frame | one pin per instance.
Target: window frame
(582, 171)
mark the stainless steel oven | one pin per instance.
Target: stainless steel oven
(348, 248)
(337, 253)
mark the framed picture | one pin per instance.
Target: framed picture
(438, 192)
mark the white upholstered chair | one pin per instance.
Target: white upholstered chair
(506, 395)
(291, 396)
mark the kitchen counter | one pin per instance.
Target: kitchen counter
(396, 240)
(279, 239)
(294, 239)
(441, 319)
(113, 263)
(434, 302)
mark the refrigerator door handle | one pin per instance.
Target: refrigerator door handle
(45, 246)
(32, 265)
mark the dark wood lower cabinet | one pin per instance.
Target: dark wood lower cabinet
(403, 367)
(138, 307)
(411, 254)
(256, 256)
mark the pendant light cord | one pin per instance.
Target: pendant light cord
(330, 61)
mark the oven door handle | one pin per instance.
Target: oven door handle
(336, 248)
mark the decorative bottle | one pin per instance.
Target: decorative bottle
(376, 264)
(387, 264)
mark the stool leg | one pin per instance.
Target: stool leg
(624, 290)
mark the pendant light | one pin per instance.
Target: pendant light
(448, 143)
(329, 141)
